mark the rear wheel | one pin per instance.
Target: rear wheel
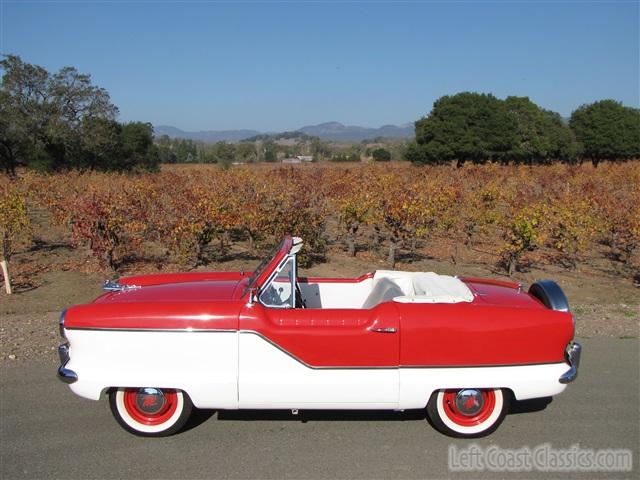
(150, 411)
(468, 412)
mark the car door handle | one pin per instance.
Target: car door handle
(384, 330)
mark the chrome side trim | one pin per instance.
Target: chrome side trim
(171, 330)
(572, 354)
(384, 330)
(485, 365)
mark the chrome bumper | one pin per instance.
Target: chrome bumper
(64, 374)
(572, 355)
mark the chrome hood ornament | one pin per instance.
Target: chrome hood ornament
(114, 286)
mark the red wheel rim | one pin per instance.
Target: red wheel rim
(133, 397)
(456, 415)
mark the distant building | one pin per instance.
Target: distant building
(298, 159)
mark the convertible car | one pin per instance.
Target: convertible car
(463, 348)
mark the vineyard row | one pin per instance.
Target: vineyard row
(564, 209)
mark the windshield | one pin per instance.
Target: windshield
(280, 291)
(263, 264)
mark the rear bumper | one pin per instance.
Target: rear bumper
(64, 374)
(572, 355)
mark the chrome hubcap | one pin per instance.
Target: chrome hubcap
(469, 401)
(150, 400)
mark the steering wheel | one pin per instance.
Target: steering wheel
(271, 297)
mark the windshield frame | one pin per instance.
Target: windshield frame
(262, 273)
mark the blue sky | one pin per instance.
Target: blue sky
(281, 65)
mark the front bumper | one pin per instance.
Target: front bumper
(572, 355)
(64, 374)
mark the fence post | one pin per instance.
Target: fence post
(5, 274)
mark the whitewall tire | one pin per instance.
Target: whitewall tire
(468, 412)
(150, 411)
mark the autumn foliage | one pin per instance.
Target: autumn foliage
(519, 214)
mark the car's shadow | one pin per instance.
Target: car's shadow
(528, 406)
(321, 415)
(201, 416)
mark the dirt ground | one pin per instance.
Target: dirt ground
(51, 276)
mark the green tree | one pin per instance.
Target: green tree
(381, 155)
(165, 150)
(15, 145)
(246, 152)
(186, 151)
(61, 120)
(607, 130)
(270, 150)
(24, 110)
(225, 153)
(319, 149)
(541, 137)
(415, 153)
(75, 101)
(138, 150)
(464, 127)
(101, 144)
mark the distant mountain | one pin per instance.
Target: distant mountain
(333, 131)
(338, 132)
(295, 135)
(210, 136)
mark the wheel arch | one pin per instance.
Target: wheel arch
(506, 390)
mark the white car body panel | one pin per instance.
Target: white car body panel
(203, 364)
(270, 378)
(525, 381)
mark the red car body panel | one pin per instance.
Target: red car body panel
(186, 292)
(329, 337)
(475, 334)
(159, 315)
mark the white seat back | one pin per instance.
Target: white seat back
(384, 290)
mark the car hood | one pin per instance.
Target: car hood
(201, 291)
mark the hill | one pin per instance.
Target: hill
(333, 131)
(207, 136)
(338, 132)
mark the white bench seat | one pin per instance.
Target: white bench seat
(416, 287)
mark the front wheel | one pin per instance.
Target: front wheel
(150, 411)
(468, 412)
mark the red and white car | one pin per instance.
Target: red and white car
(462, 348)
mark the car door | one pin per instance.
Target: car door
(317, 358)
